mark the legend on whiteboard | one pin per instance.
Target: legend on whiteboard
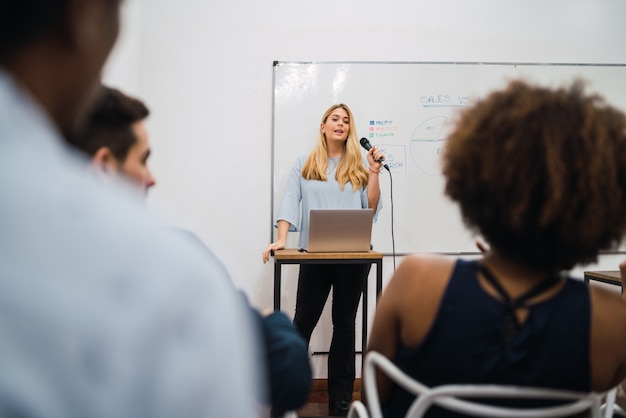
(382, 129)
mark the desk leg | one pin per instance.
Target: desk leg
(379, 287)
(379, 278)
(277, 283)
(364, 332)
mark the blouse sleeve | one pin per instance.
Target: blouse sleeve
(290, 205)
(364, 199)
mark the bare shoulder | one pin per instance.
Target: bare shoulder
(413, 295)
(609, 308)
(421, 276)
(420, 264)
(424, 267)
(608, 338)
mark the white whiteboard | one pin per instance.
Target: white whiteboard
(407, 109)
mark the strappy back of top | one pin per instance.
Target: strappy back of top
(511, 322)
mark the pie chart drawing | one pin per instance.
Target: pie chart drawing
(427, 142)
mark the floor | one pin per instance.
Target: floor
(313, 410)
(317, 405)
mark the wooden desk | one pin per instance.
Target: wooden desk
(607, 276)
(293, 256)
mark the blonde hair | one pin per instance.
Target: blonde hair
(350, 167)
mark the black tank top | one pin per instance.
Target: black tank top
(467, 342)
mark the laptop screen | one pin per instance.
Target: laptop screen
(340, 230)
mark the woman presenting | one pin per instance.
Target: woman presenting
(333, 176)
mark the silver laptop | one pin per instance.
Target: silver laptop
(340, 230)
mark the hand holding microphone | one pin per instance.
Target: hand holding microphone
(366, 144)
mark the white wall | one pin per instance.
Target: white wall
(205, 70)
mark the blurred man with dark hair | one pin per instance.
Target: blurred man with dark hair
(115, 137)
(102, 312)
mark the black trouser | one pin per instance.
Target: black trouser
(314, 283)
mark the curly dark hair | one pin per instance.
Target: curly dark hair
(541, 173)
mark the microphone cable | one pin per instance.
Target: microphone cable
(365, 143)
(393, 238)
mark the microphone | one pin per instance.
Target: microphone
(366, 144)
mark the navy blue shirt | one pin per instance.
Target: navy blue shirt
(466, 343)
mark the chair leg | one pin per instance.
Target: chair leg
(357, 410)
(609, 405)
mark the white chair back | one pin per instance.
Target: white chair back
(466, 399)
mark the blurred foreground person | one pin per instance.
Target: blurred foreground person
(102, 312)
(540, 174)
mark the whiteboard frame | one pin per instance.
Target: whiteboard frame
(277, 64)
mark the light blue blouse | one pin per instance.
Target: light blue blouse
(315, 194)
